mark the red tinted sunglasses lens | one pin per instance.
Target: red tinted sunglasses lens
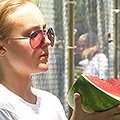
(50, 34)
(37, 39)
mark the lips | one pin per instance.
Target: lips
(44, 55)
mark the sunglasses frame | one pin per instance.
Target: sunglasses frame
(49, 33)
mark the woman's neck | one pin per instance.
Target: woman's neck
(20, 85)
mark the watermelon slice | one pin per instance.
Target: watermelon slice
(96, 94)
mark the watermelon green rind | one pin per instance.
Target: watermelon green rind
(93, 98)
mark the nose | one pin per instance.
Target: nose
(47, 41)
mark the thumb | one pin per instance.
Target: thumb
(77, 102)
(77, 107)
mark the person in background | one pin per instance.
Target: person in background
(23, 52)
(77, 53)
(94, 61)
(78, 69)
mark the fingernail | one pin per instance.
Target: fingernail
(76, 95)
(119, 106)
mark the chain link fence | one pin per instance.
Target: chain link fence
(55, 79)
(91, 16)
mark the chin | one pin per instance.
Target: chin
(42, 68)
(40, 71)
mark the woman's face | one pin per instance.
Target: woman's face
(20, 57)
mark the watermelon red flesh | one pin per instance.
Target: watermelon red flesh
(93, 97)
(111, 86)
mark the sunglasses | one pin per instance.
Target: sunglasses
(37, 38)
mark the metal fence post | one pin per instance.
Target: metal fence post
(71, 4)
(115, 38)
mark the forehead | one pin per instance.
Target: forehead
(28, 15)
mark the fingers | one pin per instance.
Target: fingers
(77, 107)
(78, 113)
(111, 112)
(116, 117)
(77, 101)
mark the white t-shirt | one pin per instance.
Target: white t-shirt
(97, 66)
(13, 107)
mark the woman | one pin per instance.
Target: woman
(24, 51)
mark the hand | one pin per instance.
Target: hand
(79, 114)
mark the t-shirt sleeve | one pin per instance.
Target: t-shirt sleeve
(6, 115)
(62, 112)
(59, 110)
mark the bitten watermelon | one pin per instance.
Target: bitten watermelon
(96, 94)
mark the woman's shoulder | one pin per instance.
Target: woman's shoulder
(47, 98)
(43, 94)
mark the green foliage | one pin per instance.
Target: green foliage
(38, 3)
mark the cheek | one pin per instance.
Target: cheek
(18, 55)
(24, 59)
(20, 49)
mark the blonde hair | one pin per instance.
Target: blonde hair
(7, 7)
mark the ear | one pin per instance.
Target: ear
(2, 51)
